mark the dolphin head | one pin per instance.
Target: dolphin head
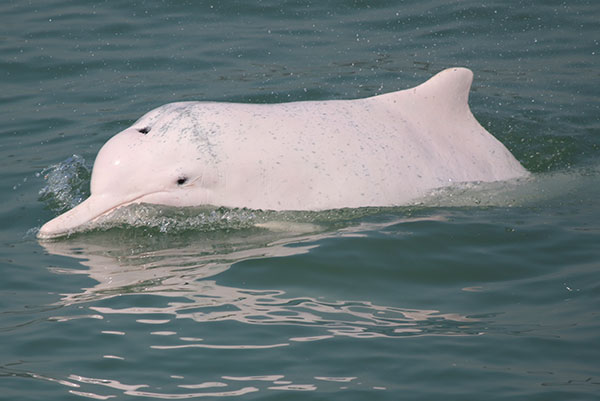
(161, 159)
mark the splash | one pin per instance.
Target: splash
(67, 184)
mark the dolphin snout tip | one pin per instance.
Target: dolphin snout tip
(50, 230)
(65, 223)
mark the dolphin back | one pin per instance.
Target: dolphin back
(458, 147)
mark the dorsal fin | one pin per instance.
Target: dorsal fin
(449, 89)
(450, 86)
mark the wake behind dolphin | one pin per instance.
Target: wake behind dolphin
(386, 150)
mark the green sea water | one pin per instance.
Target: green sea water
(480, 292)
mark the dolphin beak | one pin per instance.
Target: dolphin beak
(86, 212)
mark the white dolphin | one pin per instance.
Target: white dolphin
(386, 150)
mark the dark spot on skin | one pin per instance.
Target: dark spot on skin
(144, 130)
(181, 180)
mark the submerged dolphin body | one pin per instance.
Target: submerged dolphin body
(386, 150)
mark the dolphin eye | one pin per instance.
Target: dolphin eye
(144, 130)
(181, 180)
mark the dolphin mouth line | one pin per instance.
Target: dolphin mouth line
(109, 211)
(42, 234)
(135, 200)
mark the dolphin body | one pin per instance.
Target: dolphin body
(385, 150)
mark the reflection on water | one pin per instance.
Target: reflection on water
(241, 385)
(134, 389)
(186, 275)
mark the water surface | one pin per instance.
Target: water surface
(480, 292)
